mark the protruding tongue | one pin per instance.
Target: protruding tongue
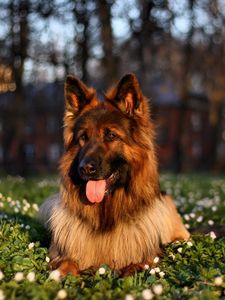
(95, 190)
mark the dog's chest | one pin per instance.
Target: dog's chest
(127, 243)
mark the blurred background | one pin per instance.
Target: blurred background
(175, 47)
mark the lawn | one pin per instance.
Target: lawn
(188, 270)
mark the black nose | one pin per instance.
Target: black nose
(87, 169)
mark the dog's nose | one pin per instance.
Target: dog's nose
(87, 169)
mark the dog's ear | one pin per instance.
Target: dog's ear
(77, 94)
(127, 95)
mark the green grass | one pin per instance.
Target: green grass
(188, 270)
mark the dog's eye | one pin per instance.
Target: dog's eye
(110, 135)
(83, 138)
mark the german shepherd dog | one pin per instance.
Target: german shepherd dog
(109, 209)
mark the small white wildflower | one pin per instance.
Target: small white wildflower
(173, 256)
(31, 245)
(129, 297)
(189, 244)
(192, 215)
(31, 276)
(16, 210)
(147, 294)
(157, 289)
(185, 289)
(1, 275)
(27, 227)
(212, 235)
(2, 296)
(187, 226)
(35, 207)
(101, 271)
(210, 222)
(152, 272)
(146, 267)
(9, 199)
(186, 217)
(157, 270)
(18, 276)
(62, 294)
(180, 250)
(199, 219)
(214, 208)
(1, 204)
(161, 274)
(47, 259)
(156, 260)
(218, 281)
(1, 195)
(55, 275)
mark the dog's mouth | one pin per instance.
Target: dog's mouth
(96, 190)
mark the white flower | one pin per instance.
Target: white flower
(152, 272)
(101, 271)
(156, 260)
(47, 259)
(186, 217)
(187, 226)
(27, 227)
(129, 297)
(2, 296)
(180, 250)
(31, 276)
(212, 235)
(35, 207)
(157, 270)
(189, 244)
(185, 289)
(31, 245)
(55, 275)
(172, 255)
(1, 275)
(218, 280)
(199, 219)
(62, 294)
(18, 276)
(161, 274)
(147, 294)
(192, 215)
(214, 208)
(210, 222)
(146, 267)
(157, 289)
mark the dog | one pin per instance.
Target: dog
(109, 209)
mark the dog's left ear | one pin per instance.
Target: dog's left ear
(128, 96)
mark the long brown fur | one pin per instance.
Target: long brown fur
(127, 228)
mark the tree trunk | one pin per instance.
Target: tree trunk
(109, 61)
(15, 156)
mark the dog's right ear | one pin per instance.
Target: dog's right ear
(77, 94)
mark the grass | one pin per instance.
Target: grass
(188, 270)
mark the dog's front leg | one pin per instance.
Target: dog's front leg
(62, 264)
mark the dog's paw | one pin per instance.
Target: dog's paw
(131, 269)
(68, 267)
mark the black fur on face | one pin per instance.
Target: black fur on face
(99, 136)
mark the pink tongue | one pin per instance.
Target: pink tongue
(95, 190)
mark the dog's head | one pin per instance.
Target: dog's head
(107, 141)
